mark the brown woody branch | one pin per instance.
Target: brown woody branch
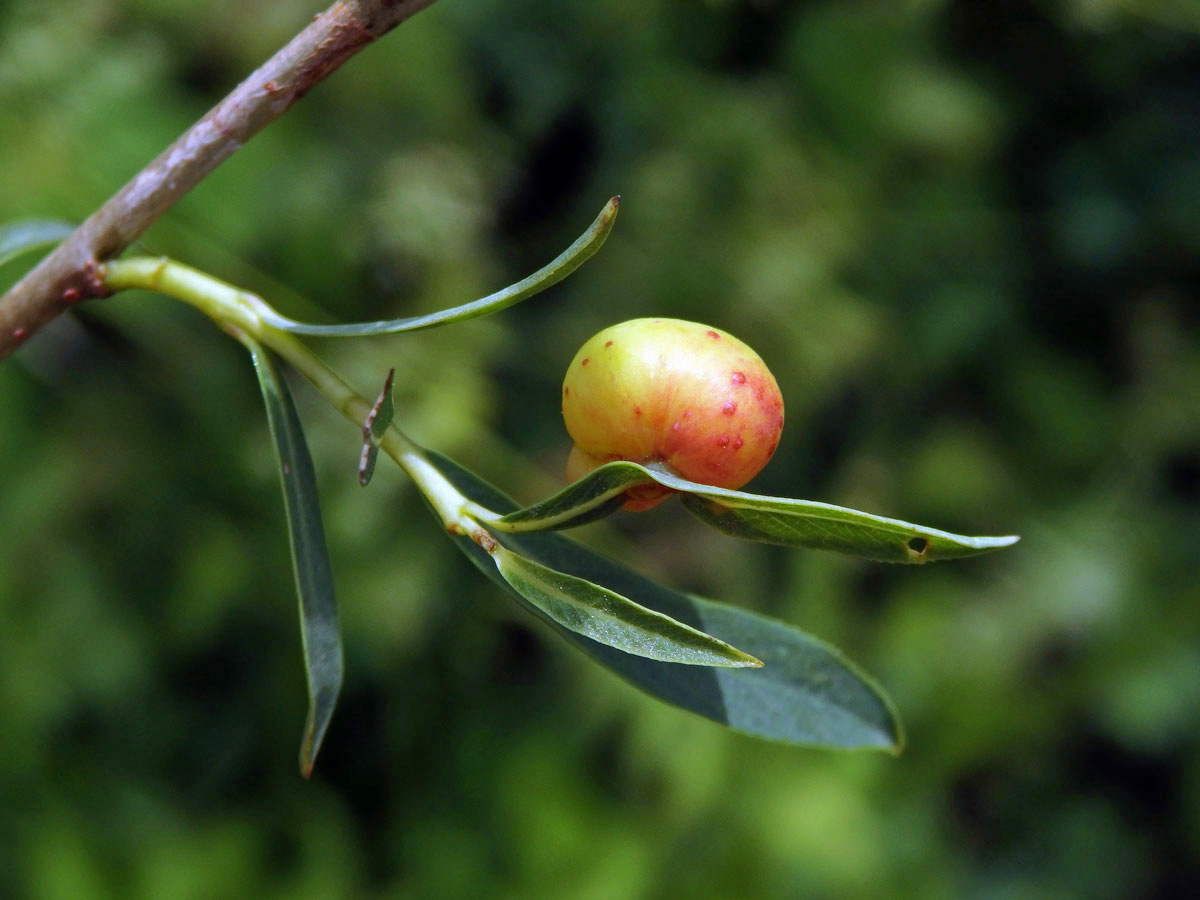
(72, 272)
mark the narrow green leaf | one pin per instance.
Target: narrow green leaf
(552, 273)
(21, 237)
(806, 692)
(376, 426)
(605, 616)
(807, 523)
(594, 495)
(319, 629)
(774, 520)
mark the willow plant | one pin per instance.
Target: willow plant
(749, 672)
(755, 674)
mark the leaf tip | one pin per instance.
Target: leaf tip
(366, 464)
(308, 756)
(743, 660)
(609, 213)
(997, 543)
(314, 736)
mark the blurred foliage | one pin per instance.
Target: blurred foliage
(965, 236)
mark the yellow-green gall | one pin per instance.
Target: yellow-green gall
(668, 391)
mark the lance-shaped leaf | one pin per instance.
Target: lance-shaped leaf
(552, 273)
(319, 629)
(806, 692)
(774, 520)
(29, 234)
(595, 495)
(605, 616)
(376, 426)
(807, 523)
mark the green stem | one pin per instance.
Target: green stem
(236, 310)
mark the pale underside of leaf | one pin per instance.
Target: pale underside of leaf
(611, 619)
(776, 520)
(807, 693)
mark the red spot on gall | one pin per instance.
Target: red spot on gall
(723, 441)
(18, 333)
(586, 361)
(71, 295)
(637, 410)
(729, 408)
(738, 378)
(608, 343)
(713, 335)
(737, 444)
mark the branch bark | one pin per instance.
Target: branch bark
(71, 273)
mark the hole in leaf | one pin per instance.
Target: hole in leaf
(918, 545)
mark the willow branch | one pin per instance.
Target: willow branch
(71, 273)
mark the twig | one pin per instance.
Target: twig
(70, 274)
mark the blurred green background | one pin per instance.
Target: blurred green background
(965, 236)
